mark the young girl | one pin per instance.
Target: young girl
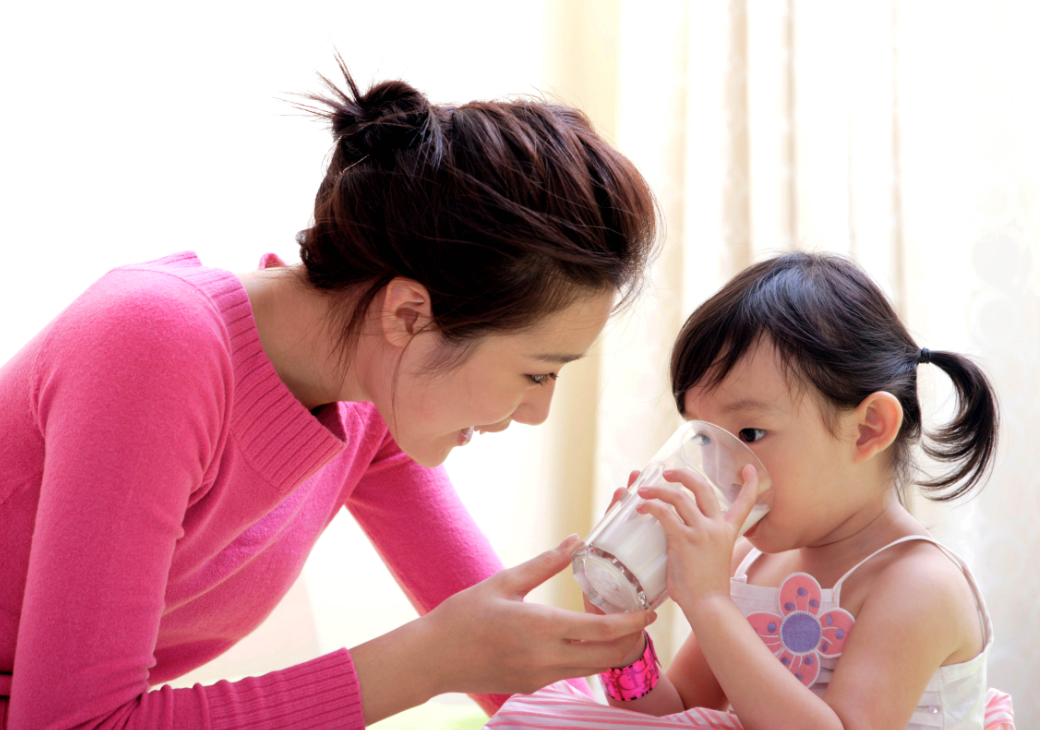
(839, 610)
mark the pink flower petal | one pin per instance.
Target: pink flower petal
(835, 626)
(806, 668)
(800, 592)
(767, 626)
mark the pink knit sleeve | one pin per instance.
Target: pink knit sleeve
(423, 533)
(129, 393)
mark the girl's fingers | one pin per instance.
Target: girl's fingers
(616, 497)
(672, 524)
(620, 491)
(680, 499)
(745, 501)
(705, 495)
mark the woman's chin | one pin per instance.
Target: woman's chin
(435, 451)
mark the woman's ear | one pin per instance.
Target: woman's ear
(878, 419)
(406, 310)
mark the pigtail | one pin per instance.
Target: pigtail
(969, 441)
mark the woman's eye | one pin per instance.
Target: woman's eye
(751, 435)
(543, 379)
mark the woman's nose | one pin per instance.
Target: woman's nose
(534, 408)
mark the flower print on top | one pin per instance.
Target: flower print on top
(797, 635)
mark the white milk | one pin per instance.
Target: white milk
(623, 565)
(640, 545)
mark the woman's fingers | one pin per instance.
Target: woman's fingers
(702, 491)
(596, 657)
(576, 626)
(525, 577)
(633, 476)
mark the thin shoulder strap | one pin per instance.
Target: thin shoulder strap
(980, 604)
(836, 591)
(742, 569)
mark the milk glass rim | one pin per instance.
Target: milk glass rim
(760, 468)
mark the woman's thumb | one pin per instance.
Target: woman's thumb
(527, 576)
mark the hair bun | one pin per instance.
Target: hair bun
(389, 117)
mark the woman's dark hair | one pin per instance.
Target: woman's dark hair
(506, 211)
(835, 331)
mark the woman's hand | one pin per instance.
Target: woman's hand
(486, 640)
(700, 536)
(490, 641)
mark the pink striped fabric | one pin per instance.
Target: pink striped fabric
(999, 713)
(561, 707)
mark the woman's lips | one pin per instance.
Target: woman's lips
(465, 436)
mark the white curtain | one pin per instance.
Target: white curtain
(901, 134)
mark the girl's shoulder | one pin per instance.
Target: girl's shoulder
(918, 582)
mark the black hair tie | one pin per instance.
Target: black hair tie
(924, 356)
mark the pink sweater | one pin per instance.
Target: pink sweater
(160, 489)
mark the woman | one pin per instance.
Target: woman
(176, 440)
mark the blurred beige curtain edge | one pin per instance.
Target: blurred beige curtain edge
(855, 128)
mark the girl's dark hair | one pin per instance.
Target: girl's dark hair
(834, 330)
(505, 210)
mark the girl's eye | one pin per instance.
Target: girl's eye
(543, 379)
(751, 435)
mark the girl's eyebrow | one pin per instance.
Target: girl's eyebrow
(749, 405)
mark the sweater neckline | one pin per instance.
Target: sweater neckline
(280, 438)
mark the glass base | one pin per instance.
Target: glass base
(608, 584)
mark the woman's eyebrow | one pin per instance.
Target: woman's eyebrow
(558, 359)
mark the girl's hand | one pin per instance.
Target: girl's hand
(485, 639)
(700, 536)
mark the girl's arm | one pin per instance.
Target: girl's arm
(689, 681)
(903, 632)
(907, 627)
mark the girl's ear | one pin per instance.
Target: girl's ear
(878, 419)
(406, 310)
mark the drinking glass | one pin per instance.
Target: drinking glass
(622, 565)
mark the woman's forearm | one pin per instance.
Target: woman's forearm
(395, 672)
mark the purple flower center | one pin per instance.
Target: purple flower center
(800, 632)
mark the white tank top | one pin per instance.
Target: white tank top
(956, 694)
